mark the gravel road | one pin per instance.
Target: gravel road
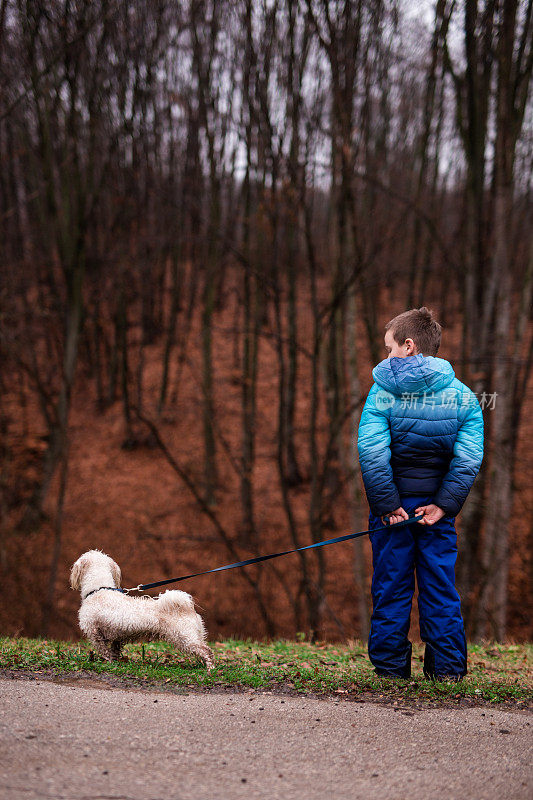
(84, 741)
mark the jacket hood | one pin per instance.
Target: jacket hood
(414, 374)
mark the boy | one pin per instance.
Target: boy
(420, 447)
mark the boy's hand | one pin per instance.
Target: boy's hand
(432, 514)
(395, 516)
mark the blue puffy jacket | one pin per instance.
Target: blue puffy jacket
(421, 433)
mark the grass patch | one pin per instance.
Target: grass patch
(497, 673)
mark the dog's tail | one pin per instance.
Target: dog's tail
(174, 600)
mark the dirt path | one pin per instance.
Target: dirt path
(85, 741)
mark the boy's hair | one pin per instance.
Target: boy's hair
(417, 324)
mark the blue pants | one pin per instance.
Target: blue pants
(432, 551)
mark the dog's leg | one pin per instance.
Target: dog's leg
(191, 647)
(203, 652)
(207, 656)
(116, 648)
(100, 644)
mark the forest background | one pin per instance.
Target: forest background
(208, 211)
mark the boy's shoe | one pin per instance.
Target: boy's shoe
(444, 678)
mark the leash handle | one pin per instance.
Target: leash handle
(258, 559)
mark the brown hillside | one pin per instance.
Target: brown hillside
(131, 504)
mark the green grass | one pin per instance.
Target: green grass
(497, 673)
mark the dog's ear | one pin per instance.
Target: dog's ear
(76, 573)
(115, 571)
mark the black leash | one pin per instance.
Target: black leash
(143, 586)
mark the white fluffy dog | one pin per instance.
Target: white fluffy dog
(108, 617)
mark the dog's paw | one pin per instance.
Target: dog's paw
(207, 657)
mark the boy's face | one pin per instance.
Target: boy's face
(395, 350)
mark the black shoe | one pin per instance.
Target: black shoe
(444, 678)
(392, 677)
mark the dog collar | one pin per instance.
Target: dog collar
(109, 588)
